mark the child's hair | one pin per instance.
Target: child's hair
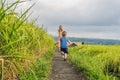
(60, 28)
(64, 33)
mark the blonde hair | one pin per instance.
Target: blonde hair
(64, 33)
(60, 28)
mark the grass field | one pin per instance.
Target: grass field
(24, 50)
(97, 62)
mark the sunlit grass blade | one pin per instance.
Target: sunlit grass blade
(2, 13)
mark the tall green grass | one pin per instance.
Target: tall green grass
(23, 45)
(40, 69)
(97, 62)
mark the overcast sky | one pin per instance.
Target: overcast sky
(80, 18)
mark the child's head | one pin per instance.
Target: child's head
(64, 33)
(60, 28)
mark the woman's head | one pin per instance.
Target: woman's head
(64, 33)
(60, 28)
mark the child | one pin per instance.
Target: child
(64, 44)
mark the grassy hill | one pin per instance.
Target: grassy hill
(24, 50)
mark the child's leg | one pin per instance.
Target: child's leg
(66, 52)
(62, 53)
(65, 57)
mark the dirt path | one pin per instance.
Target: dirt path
(62, 70)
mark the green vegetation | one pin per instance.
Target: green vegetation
(26, 50)
(40, 69)
(97, 62)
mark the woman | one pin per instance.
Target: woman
(60, 30)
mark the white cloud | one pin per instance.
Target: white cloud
(97, 13)
(77, 12)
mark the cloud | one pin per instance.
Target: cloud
(84, 12)
(77, 12)
(97, 16)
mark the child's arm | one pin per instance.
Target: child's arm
(69, 42)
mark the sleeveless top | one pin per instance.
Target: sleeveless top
(59, 36)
